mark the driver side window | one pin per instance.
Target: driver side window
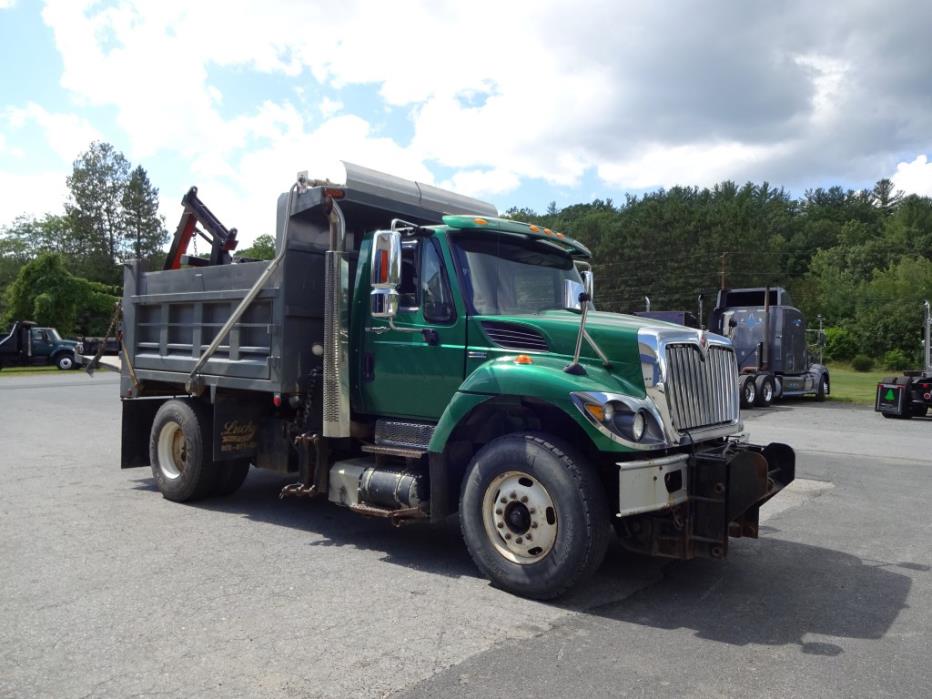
(436, 299)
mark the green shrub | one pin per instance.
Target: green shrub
(840, 344)
(896, 360)
(862, 363)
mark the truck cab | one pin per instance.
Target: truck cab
(410, 355)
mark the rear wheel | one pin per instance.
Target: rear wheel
(180, 451)
(748, 391)
(764, 387)
(533, 515)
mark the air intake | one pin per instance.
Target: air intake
(513, 336)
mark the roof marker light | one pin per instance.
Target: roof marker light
(480, 221)
(523, 359)
(534, 229)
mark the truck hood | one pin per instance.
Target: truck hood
(615, 333)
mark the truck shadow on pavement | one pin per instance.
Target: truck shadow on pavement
(776, 593)
(436, 548)
(768, 592)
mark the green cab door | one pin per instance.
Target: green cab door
(414, 370)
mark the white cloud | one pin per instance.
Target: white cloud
(483, 183)
(329, 107)
(30, 194)
(914, 177)
(501, 92)
(66, 134)
(6, 4)
(699, 164)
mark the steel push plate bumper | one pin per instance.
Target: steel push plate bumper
(688, 505)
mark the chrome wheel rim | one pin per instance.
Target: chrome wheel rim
(65, 362)
(768, 393)
(172, 451)
(520, 517)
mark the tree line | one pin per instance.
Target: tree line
(862, 259)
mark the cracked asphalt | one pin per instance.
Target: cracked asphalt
(106, 589)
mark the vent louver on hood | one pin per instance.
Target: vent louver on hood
(513, 336)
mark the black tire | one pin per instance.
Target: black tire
(822, 390)
(579, 515)
(188, 472)
(919, 410)
(765, 391)
(230, 476)
(777, 388)
(65, 361)
(748, 390)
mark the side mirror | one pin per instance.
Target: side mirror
(385, 270)
(385, 274)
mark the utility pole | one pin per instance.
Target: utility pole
(821, 338)
(928, 331)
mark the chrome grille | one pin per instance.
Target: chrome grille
(701, 391)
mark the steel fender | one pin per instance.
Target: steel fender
(458, 408)
(544, 380)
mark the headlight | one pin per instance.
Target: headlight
(623, 419)
(637, 427)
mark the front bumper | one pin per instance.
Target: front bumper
(688, 505)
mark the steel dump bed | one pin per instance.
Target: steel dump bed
(172, 316)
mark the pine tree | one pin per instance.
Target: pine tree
(144, 228)
(97, 184)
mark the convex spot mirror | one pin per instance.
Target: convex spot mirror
(589, 283)
(385, 273)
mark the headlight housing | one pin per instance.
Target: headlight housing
(630, 421)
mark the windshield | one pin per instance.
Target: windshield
(503, 276)
(53, 335)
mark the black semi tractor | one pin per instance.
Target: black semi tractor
(769, 337)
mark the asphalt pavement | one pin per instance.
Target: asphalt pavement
(110, 590)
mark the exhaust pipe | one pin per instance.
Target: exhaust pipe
(336, 407)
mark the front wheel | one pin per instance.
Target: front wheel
(533, 515)
(65, 361)
(822, 390)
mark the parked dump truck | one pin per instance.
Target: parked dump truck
(409, 355)
(27, 344)
(769, 338)
(909, 395)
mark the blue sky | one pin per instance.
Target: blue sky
(520, 103)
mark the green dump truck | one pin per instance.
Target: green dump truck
(409, 355)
